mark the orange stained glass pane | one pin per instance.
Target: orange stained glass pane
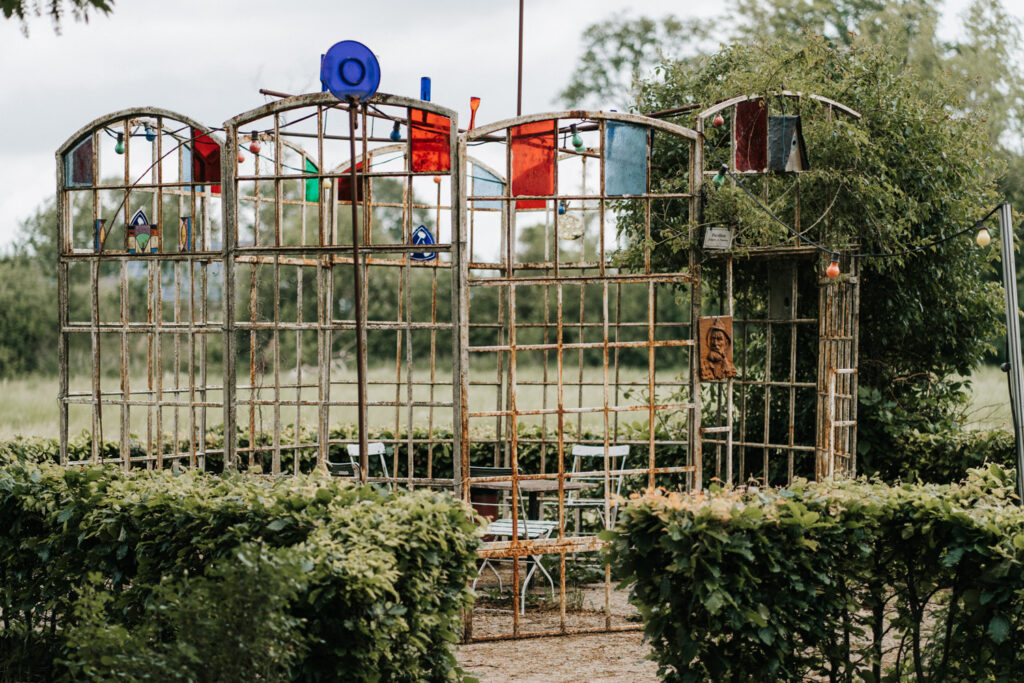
(533, 162)
(430, 142)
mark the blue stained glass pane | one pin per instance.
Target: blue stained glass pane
(186, 164)
(486, 184)
(625, 158)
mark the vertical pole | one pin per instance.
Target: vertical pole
(1016, 370)
(358, 294)
(229, 194)
(519, 84)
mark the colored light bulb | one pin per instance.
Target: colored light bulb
(984, 238)
(719, 178)
(833, 268)
(718, 121)
(241, 157)
(577, 139)
(119, 146)
(150, 133)
(254, 145)
(561, 208)
(396, 132)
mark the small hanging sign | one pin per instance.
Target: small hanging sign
(422, 235)
(718, 238)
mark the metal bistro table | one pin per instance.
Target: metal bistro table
(533, 488)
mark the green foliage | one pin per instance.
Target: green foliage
(55, 9)
(851, 580)
(946, 457)
(910, 172)
(537, 449)
(380, 584)
(214, 627)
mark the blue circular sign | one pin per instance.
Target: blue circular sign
(349, 69)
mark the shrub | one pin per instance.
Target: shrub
(383, 577)
(839, 580)
(946, 457)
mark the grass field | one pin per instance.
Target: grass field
(28, 405)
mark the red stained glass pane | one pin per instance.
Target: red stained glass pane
(533, 162)
(751, 131)
(345, 187)
(430, 140)
(205, 160)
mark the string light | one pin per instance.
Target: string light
(833, 267)
(396, 132)
(150, 133)
(983, 238)
(718, 121)
(577, 139)
(119, 146)
(561, 208)
(254, 145)
(719, 178)
(241, 157)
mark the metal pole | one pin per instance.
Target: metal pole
(519, 96)
(1016, 369)
(358, 280)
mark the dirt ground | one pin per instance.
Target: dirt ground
(589, 657)
(584, 658)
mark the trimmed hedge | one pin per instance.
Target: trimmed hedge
(481, 447)
(376, 581)
(839, 581)
(946, 457)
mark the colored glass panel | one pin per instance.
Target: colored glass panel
(205, 160)
(78, 165)
(486, 184)
(186, 164)
(751, 134)
(313, 184)
(625, 158)
(345, 186)
(430, 142)
(533, 162)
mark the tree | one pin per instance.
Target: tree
(911, 172)
(56, 9)
(620, 50)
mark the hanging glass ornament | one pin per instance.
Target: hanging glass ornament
(570, 227)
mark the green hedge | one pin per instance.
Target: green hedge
(532, 439)
(946, 457)
(374, 582)
(831, 581)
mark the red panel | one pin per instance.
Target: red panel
(345, 186)
(205, 160)
(533, 162)
(751, 130)
(430, 139)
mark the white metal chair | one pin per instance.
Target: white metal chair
(590, 460)
(528, 529)
(374, 448)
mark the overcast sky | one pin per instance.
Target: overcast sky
(208, 60)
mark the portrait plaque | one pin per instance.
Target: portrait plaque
(716, 348)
